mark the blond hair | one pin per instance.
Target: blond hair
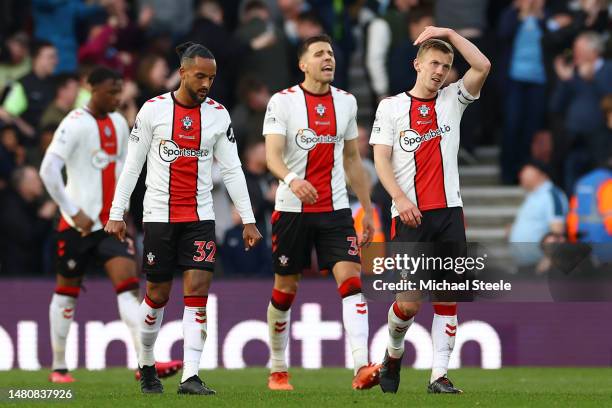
(435, 44)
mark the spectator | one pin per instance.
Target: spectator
(290, 11)
(582, 84)
(522, 25)
(101, 48)
(543, 210)
(171, 16)
(56, 21)
(261, 186)
(209, 30)
(399, 69)
(84, 87)
(358, 213)
(16, 61)
(270, 64)
(12, 154)
(28, 98)
(590, 217)
(131, 34)
(468, 18)
(566, 24)
(152, 78)
(248, 116)
(25, 223)
(34, 156)
(383, 34)
(366, 152)
(236, 262)
(67, 89)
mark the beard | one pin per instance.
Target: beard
(195, 96)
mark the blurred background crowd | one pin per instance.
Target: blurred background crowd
(547, 101)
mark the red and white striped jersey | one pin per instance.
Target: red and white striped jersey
(316, 127)
(424, 135)
(179, 143)
(93, 150)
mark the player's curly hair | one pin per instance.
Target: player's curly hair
(100, 74)
(189, 50)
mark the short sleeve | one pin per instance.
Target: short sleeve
(65, 138)
(556, 205)
(275, 121)
(383, 128)
(351, 130)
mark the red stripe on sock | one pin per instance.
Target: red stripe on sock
(195, 301)
(72, 291)
(128, 284)
(349, 287)
(282, 299)
(445, 310)
(399, 313)
(152, 304)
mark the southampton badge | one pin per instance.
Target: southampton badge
(187, 123)
(107, 131)
(283, 260)
(320, 109)
(423, 110)
(150, 258)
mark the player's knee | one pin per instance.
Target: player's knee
(68, 282)
(282, 300)
(157, 298)
(286, 284)
(408, 308)
(158, 293)
(126, 285)
(350, 286)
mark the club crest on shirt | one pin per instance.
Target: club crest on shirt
(187, 123)
(107, 131)
(320, 109)
(423, 110)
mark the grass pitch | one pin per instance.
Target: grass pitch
(512, 387)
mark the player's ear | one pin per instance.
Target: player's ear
(182, 72)
(302, 66)
(416, 65)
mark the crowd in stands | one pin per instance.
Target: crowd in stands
(549, 96)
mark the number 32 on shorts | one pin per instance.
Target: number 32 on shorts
(205, 251)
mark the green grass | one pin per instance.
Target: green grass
(534, 387)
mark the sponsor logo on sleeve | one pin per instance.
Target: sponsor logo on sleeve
(135, 131)
(230, 134)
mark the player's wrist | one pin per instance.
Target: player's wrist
(289, 178)
(71, 210)
(398, 196)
